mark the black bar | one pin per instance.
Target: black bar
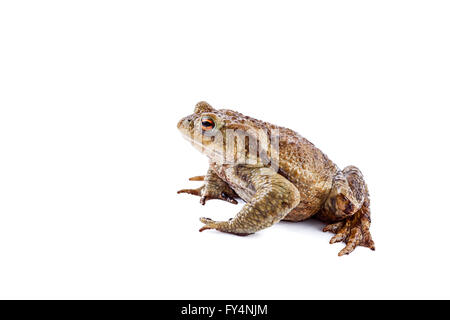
(217, 309)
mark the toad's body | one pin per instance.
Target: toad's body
(278, 173)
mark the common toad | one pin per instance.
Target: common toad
(278, 173)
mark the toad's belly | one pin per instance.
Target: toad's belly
(312, 195)
(312, 199)
(301, 212)
(306, 208)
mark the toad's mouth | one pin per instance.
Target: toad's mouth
(210, 151)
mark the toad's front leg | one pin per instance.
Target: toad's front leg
(214, 188)
(272, 198)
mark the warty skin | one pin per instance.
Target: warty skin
(279, 174)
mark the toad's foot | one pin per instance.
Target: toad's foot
(206, 195)
(197, 178)
(219, 225)
(354, 231)
(214, 188)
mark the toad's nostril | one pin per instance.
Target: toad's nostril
(184, 122)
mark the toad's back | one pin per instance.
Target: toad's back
(303, 164)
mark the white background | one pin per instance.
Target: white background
(90, 157)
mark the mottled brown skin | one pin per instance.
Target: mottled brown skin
(305, 183)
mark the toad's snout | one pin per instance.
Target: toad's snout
(184, 123)
(180, 123)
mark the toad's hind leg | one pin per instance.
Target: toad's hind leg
(348, 208)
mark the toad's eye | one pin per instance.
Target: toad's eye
(207, 124)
